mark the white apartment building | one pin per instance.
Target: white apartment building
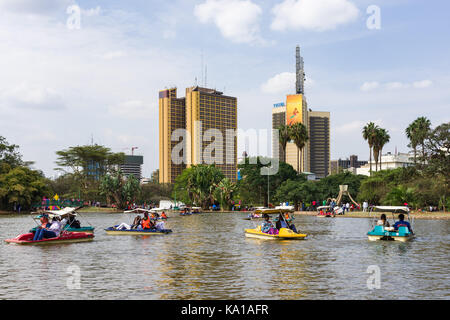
(388, 161)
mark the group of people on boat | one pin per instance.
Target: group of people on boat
(282, 222)
(400, 223)
(145, 223)
(49, 229)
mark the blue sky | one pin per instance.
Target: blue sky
(60, 86)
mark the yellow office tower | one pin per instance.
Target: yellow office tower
(172, 116)
(210, 120)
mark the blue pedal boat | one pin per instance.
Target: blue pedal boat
(380, 232)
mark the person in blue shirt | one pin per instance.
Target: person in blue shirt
(402, 223)
(266, 224)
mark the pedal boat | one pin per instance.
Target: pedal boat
(382, 233)
(283, 234)
(64, 213)
(134, 232)
(65, 237)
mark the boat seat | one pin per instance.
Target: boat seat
(378, 229)
(403, 229)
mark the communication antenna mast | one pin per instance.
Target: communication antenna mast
(299, 72)
(206, 75)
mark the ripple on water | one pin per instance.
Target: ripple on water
(208, 257)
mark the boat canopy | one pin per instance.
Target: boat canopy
(393, 209)
(272, 211)
(68, 211)
(323, 207)
(138, 210)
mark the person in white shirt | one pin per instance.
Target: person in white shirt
(160, 226)
(347, 206)
(56, 226)
(365, 205)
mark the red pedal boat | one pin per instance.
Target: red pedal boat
(64, 237)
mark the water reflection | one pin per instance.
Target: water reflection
(209, 257)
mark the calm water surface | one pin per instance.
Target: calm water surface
(208, 257)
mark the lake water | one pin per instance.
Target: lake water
(208, 257)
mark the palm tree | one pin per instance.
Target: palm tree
(284, 136)
(384, 138)
(423, 130)
(299, 134)
(417, 132)
(380, 138)
(412, 136)
(369, 132)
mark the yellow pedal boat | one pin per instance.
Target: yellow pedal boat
(283, 234)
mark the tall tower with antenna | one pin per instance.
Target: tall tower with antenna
(299, 72)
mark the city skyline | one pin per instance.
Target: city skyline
(103, 78)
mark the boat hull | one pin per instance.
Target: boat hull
(380, 233)
(284, 234)
(68, 237)
(113, 232)
(389, 238)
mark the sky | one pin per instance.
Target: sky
(69, 79)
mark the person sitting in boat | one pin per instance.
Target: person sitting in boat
(267, 226)
(281, 223)
(73, 223)
(146, 222)
(163, 215)
(43, 231)
(136, 223)
(160, 226)
(383, 221)
(402, 223)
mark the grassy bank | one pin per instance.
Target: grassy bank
(98, 209)
(359, 214)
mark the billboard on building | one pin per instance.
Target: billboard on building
(294, 107)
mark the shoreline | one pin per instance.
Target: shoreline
(355, 214)
(359, 214)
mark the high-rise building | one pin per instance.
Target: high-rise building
(210, 121)
(132, 166)
(319, 143)
(315, 156)
(278, 119)
(210, 115)
(172, 116)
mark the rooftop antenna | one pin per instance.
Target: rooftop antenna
(206, 76)
(92, 139)
(299, 72)
(201, 58)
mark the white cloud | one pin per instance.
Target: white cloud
(316, 15)
(133, 110)
(26, 96)
(113, 54)
(91, 12)
(395, 85)
(422, 84)
(34, 6)
(368, 86)
(281, 83)
(237, 20)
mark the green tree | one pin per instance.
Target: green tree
(369, 132)
(223, 193)
(299, 134)
(254, 187)
(196, 184)
(22, 186)
(284, 135)
(119, 190)
(381, 137)
(88, 164)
